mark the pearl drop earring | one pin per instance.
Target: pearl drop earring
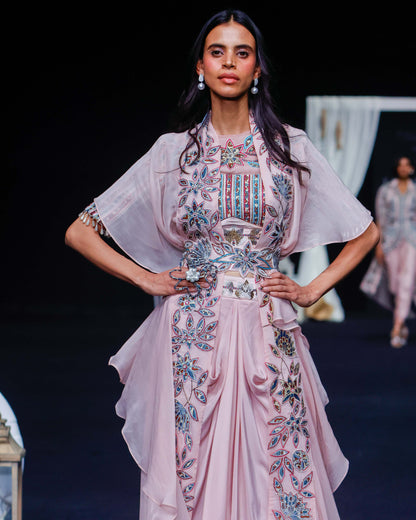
(201, 84)
(254, 89)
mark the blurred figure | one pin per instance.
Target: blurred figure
(391, 277)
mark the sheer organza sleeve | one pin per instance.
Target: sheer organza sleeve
(324, 209)
(139, 209)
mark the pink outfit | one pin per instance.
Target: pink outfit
(223, 407)
(401, 269)
(393, 285)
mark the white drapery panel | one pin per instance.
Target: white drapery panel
(344, 129)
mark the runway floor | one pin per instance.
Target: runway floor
(54, 374)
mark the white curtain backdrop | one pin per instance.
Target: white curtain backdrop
(344, 129)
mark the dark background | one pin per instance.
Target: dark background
(87, 90)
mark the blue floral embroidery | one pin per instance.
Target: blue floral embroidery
(194, 323)
(300, 460)
(195, 218)
(292, 508)
(185, 367)
(289, 423)
(181, 417)
(199, 334)
(187, 303)
(246, 260)
(203, 183)
(283, 185)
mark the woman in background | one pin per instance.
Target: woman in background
(391, 277)
(224, 411)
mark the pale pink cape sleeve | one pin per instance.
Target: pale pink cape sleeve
(139, 209)
(324, 209)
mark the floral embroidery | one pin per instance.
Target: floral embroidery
(300, 460)
(292, 508)
(181, 417)
(232, 155)
(283, 186)
(288, 459)
(290, 391)
(198, 334)
(185, 367)
(246, 260)
(212, 250)
(243, 259)
(203, 183)
(187, 304)
(284, 342)
(195, 219)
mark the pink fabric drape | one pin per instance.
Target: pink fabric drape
(215, 461)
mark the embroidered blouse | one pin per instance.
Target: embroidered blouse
(241, 188)
(396, 214)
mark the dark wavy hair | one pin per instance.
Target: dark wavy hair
(194, 104)
(397, 162)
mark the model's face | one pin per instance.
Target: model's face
(229, 60)
(404, 168)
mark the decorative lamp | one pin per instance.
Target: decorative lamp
(11, 456)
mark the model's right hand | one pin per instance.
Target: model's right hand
(162, 284)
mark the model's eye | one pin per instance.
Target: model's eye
(216, 52)
(242, 54)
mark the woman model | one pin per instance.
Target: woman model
(391, 277)
(223, 408)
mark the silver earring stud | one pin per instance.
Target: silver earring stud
(254, 89)
(201, 84)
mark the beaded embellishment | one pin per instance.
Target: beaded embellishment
(90, 216)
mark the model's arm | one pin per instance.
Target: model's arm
(350, 256)
(88, 242)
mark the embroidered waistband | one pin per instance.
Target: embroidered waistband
(244, 261)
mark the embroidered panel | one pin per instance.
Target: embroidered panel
(289, 445)
(242, 196)
(211, 249)
(194, 321)
(193, 332)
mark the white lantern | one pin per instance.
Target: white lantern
(11, 456)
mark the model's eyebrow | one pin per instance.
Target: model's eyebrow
(238, 47)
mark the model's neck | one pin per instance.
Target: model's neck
(403, 184)
(230, 116)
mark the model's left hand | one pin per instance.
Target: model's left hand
(281, 286)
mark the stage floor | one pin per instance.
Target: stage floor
(54, 374)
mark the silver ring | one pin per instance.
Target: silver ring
(193, 275)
